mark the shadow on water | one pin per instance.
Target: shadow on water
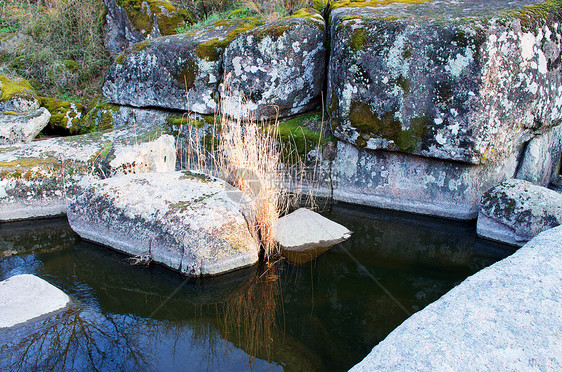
(325, 314)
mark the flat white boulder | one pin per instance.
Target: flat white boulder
(186, 221)
(22, 127)
(27, 297)
(307, 230)
(507, 317)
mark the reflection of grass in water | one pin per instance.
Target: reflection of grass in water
(74, 339)
(250, 319)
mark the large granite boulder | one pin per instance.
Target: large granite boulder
(505, 317)
(39, 179)
(464, 80)
(277, 68)
(515, 211)
(128, 22)
(183, 220)
(177, 71)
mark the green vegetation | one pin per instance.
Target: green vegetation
(385, 125)
(362, 3)
(60, 47)
(545, 13)
(300, 135)
(15, 86)
(64, 115)
(144, 13)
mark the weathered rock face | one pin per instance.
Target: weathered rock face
(276, 69)
(185, 221)
(177, 71)
(38, 179)
(460, 80)
(131, 21)
(392, 180)
(506, 316)
(17, 128)
(119, 32)
(541, 158)
(515, 211)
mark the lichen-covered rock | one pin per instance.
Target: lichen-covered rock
(505, 317)
(131, 21)
(393, 180)
(22, 127)
(17, 95)
(277, 68)
(541, 158)
(39, 179)
(515, 211)
(64, 115)
(461, 80)
(182, 220)
(119, 33)
(177, 71)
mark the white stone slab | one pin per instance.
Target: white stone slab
(304, 229)
(26, 297)
(16, 128)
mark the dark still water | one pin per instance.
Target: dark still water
(325, 314)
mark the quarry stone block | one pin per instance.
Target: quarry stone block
(464, 80)
(185, 221)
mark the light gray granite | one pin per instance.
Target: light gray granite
(506, 317)
(26, 297)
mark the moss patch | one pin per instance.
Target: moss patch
(186, 77)
(13, 86)
(142, 14)
(99, 117)
(369, 123)
(65, 115)
(299, 135)
(372, 3)
(358, 39)
(544, 13)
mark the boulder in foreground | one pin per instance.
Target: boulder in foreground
(515, 211)
(26, 297)
(506, 317)
(183, 220)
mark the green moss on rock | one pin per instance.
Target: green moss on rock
(385, 125)
(186, 77)
(371, 3)
(14, 86)
(99, 117)
(300, 134)
(65, 115)
(358, 39)
(142, 14)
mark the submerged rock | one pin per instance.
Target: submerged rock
(182, 220)
(39, 179)
(506, 316)
(276, 69)
(515, 211)
(22, 127)
(177, 71)
(465, 80)
(26, 297)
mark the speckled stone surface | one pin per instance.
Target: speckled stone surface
(276, 69)
(22, 127)
(26, 297)
(515, 211)
(183, 220)
(506, 317)
(461, 80)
